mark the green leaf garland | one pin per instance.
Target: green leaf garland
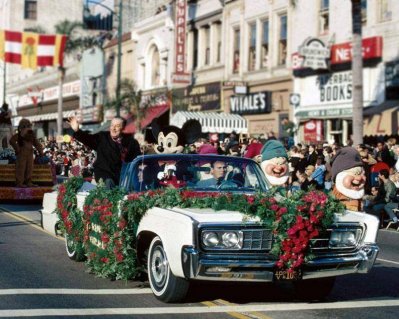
(110, 222)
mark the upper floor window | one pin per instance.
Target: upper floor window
(384, 10)
(195, 48)
(207, 39)
(364, 11)
(252, 47)
(218, 42)
(282, 43)
(324, 16)
(155, 68)
(30, 10)
(265, 44)
(236, 50)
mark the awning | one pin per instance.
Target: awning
(212, 122)
(45, 116)
(150, 114)
(382, 123)
(378, 109)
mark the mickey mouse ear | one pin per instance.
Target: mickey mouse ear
(192, 131)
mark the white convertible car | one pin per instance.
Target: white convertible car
(183, 244)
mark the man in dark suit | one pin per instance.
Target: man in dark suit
(113, 148)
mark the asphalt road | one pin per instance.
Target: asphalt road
(38, 280)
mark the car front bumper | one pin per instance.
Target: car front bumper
(236, 268)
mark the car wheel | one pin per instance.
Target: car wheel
(70, 247)
(314, 289)
(165, 286)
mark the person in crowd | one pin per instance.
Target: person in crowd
(311, 158)
(23, 143)
(288, 132)
(319, 172)
(304, 181)
(328, 154)
(383, 154)
(218, 172)
(5, 126)
(390, 201)
(253, 150)
(113, 148)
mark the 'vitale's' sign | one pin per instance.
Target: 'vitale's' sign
(253, 103)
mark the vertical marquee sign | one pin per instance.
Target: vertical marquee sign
(180, 76)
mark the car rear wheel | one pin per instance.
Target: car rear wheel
(314, 289)
(165, 286)
(72, 252)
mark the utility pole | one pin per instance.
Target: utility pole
(357, 72)
(61, 74)
(118, 75)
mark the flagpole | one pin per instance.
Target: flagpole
(4, 81)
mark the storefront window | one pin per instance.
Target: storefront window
(265, 44)
(252, 47)
(236, 51)
(282, 46)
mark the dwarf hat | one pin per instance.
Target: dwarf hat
(346, 158)
(272, 149)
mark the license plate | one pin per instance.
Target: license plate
(285, 275)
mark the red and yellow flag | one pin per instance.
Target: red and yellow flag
(32, 50)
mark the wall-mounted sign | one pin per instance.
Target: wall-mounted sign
(295, 99)
(253, 103)
(314, 53)
(69, 89)
(197, 98)
(91, 114)
(371, 49)
(313, 131)
(392, 80)
(180, 76)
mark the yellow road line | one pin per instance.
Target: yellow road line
(232, 314)
(256, 315)
(28, 221)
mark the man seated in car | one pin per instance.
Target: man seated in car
(218, 172)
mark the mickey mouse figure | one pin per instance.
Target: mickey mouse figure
(171, 140)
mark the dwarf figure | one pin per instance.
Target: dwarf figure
(23, 143)
(348, 173)
(275, 163)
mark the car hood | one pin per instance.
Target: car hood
(208, 215)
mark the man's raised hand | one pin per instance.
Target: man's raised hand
(73, 122)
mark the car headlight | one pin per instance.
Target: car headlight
(347, 238)
(210, 239)
(222, 239)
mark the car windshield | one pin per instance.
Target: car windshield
(193, 172)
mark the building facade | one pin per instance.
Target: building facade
(321, 59)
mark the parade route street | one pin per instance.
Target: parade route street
(38, 280)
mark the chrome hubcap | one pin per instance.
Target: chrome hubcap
(159, 266)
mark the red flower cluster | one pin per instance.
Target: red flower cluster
(305, 228)
(186, 195)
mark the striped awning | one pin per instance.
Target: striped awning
(45, 116)
(212, 122)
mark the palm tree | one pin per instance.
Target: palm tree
(132, 99)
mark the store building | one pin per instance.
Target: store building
(321, 62)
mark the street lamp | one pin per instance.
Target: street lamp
(86, 14)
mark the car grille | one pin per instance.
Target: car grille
(257, 239)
